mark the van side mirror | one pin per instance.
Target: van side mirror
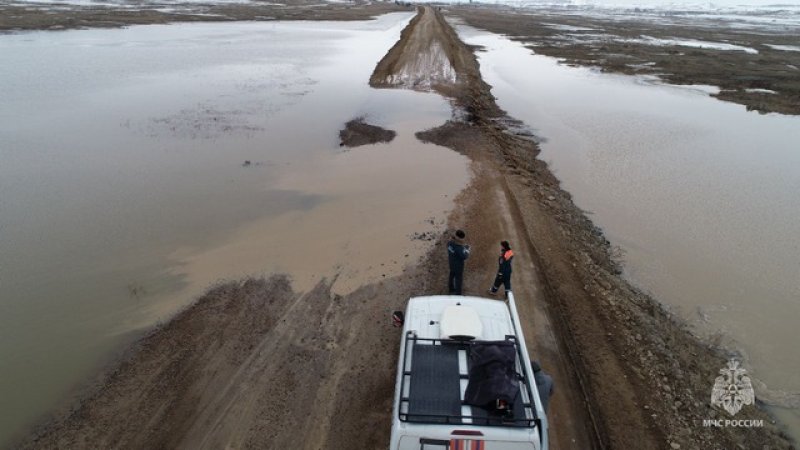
(398, 319)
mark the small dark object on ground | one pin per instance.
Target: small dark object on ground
(423, 236)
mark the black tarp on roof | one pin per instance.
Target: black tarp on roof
(492, 374)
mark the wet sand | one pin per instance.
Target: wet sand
(242, 367)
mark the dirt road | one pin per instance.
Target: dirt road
(255, 365)
(425, 56)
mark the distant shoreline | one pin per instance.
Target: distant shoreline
(41, 16)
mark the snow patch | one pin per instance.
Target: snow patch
(561, 27)
(649, 40)
(429, 68)
(786, 48)
(760, 91)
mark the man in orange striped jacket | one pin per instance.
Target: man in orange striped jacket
(504, 270)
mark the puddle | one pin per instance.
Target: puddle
(126, 192)
(373, 199)
(701, 195)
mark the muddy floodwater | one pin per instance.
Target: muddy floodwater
(700, 196)
(139, 166)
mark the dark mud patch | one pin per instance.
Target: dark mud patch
(358, 132)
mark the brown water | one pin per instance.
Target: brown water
(123, 193)
(700, 195)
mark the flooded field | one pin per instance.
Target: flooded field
(141, 165)
(699, 195)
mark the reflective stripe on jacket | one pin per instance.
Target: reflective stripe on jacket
(505, 261)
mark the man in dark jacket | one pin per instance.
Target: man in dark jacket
(457, 253)
(504, 269)
(544, 384)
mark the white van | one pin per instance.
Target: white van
(464, 378)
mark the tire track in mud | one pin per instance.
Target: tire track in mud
(565, 362)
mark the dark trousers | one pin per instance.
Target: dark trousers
(504, 279)
(454, 282)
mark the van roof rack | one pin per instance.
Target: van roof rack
(435, 372)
